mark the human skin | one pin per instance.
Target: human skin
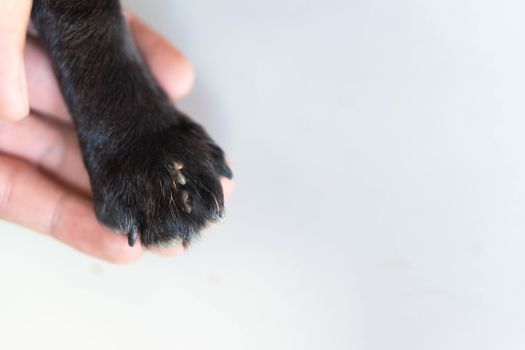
(43, 183)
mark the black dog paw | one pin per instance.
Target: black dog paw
(155, 174)
(160, 186)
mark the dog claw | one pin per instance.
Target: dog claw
(181, 179)
(185, 202)
(132, 237)
(187, 208)
(227, 171)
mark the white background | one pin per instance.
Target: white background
(380, 203)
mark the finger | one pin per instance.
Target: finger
(169, 66)
(227, 186)
(29, 199)
(49, 145)
(14, 17)
(43, 90)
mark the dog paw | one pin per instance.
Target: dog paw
(159, 187)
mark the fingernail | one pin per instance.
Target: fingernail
(227, 171)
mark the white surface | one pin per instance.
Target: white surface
(378, 148)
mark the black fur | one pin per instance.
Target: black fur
(154, 172)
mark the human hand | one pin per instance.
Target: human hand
(14, 17)
(43, 183)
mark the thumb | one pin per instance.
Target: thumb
(14, 18)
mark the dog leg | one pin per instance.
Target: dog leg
(154, 172)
